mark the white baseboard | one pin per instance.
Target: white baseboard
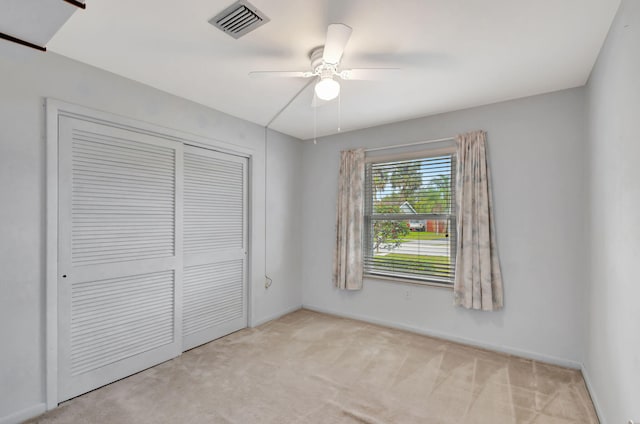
(592, 393)
(275, 316)
(25, 414)
(567, 363)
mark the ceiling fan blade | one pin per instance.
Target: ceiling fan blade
(369, 73)
(280, 74)
(337, 38)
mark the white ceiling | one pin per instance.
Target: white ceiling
(453, 53)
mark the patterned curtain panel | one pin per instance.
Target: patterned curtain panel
(478, 280)
(347, 258)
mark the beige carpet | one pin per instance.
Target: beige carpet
(312, 368)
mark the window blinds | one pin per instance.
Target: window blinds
(410, 219)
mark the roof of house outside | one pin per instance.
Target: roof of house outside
(407, 208)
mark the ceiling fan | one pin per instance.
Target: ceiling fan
(325, 65)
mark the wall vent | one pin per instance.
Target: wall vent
(239, 19)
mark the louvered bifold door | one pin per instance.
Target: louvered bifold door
(120, 253)
(215, 245)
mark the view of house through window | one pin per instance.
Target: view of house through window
(410, 219)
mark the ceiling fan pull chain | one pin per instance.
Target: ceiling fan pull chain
(339, 111)
(315, 125)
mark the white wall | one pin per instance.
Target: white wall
(26, 78)
(536, 149)
(613, 341)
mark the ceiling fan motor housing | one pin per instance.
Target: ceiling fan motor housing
(319, 66)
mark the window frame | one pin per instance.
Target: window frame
(366, 236)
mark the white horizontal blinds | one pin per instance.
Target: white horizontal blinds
(214, 203)
(213, 295)
(410, 218)
(215, 237)
(117, 318)
(120, 256)
(123, 199)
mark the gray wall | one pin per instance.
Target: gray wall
(284, 221)
(26, 79)
(536, 149)
(613, 330)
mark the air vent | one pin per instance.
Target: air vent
(239, 19)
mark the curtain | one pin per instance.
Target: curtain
(347, 258)
(478, 280)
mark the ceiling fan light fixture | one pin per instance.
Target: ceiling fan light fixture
(327, 89)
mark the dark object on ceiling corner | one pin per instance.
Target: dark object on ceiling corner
(35, 46)
(22, 42)
(76, 3)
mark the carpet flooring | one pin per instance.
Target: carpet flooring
(308, 367)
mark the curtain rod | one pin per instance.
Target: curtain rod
(410, 144)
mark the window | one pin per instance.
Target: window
(410, 226)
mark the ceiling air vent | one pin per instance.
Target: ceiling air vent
(239, 19)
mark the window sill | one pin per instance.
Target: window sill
(409, 281)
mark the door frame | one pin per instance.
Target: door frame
(53, 110)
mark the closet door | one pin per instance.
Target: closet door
(215, 245)
(120, 253)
